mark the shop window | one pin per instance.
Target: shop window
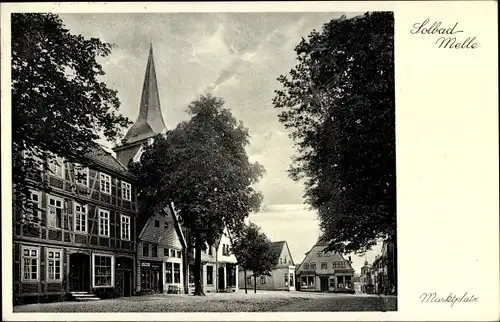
(103, 270)
(177, 273)
(168, 273)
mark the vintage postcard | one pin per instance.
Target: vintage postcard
(284, 161)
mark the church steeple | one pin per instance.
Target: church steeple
(149, 122)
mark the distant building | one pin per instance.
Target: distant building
(282, 276)
(383, 271)
(219, 266)
(325, 271)
(366, 279)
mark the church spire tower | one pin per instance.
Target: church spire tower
(149, 122)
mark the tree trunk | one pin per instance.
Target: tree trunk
(198, 287)
(254, 283)
(245, 274)
(185, 263)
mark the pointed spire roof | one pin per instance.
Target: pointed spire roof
(150, 120)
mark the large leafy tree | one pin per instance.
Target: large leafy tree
(254, 252)
(339, 103)
(59, 105)
(202, 166)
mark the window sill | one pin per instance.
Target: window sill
(104, 286)
(54, 281)
(30, 281)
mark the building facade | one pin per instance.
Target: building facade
(383, 271)
(323, 271)
(366, 284)
(79, 232)
(282, 277)
(219, 267)
(160, 255)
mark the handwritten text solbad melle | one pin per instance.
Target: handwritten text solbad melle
(447, 38)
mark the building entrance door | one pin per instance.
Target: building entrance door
(222, 277)
(79, 272)
(324, 284)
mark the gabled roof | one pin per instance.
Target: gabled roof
(150, 120)
(312, 256)
(102, 158)
(279, 246)
(162, 235)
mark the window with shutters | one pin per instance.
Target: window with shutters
(31, 265)
(55, 213)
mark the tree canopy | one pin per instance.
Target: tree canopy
(254, 252)
(339, 103)
(59, 105)
(202, 166)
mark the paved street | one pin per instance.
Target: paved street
(226, 302)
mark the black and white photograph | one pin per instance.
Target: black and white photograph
(183, 162)
(187, 162)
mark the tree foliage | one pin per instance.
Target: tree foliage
(339, 103)
(254, 252)
(202, 166)
(59, 105)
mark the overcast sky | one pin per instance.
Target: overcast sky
(236, 56)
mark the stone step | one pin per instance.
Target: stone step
(83, 299)
(83, 295)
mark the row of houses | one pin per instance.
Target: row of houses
(380, 277)
(82, 237)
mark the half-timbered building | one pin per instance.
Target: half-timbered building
(78, 237)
